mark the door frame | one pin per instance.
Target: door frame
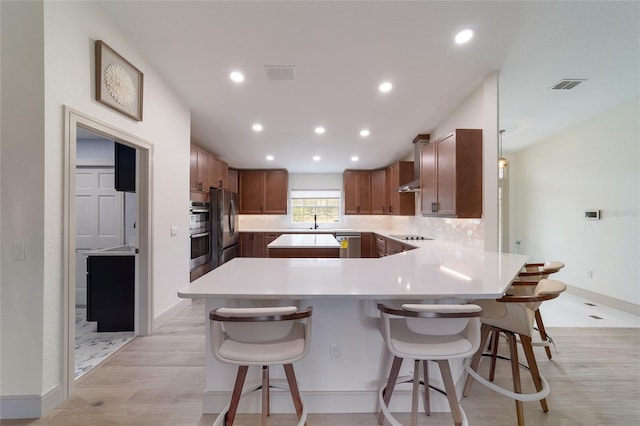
(144, 291)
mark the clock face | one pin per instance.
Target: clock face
(119, 84)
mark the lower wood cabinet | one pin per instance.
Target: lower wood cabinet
(381, 246)
(111, 292)
(368, 245)
(254, 244)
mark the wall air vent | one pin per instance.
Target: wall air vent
(568, 83)
(280, 72)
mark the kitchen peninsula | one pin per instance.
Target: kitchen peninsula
(347, 362)
(304, 245)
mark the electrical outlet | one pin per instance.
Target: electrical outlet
(590, 274)
(335, 352)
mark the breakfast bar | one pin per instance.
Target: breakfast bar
(347, 361)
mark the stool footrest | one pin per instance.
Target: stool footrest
(525, 397)
(276, 384)
(408, 379)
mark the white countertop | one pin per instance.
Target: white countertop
(304, 241)
(114, 251)
(434, 270)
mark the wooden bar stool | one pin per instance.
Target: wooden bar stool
(514, 316)
(428, 333)
(263, 337)
(525, 284)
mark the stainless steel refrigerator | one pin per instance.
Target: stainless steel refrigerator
(225, 235)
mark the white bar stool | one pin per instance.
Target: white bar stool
(264, 337)
(428, 332)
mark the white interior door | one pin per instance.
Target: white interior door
(99, 219)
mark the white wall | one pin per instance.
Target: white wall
(594, 165)
(46, 81)
(22, 168)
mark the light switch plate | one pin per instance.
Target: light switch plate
(17, 251)
(174, 231)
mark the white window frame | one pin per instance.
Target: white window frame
(316, 194)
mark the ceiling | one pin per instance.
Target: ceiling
(342, 51)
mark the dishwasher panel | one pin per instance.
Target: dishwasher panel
(351, 244)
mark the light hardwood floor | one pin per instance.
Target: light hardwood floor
(159, 380)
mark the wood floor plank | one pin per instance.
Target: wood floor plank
(159, 380)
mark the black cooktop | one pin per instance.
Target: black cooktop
(411, 237)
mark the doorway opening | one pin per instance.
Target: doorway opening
(104, 224)
(106, 213)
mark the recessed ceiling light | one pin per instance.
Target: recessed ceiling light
(316, 158)
(237, 77)
(257, 127)
(319, 130)
(270, 157)
(385, 87)
(354, 158)
(464, 36)
(364, 133)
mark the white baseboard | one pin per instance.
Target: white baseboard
(30, 406)
(324, 401)
(631, 308)
(162, 319)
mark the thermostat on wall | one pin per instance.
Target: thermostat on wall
(592, 214)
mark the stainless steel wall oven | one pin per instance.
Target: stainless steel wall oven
(200, 233)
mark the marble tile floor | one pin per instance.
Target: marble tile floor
(92, 347)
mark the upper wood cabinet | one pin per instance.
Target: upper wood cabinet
(357, 191)
(451, 175)
(232, 180)
(400, 203)
(379, 192)
(263, 191)
(218, 171)
(206, 171)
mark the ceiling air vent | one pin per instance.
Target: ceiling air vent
(568, 83)
(280, 72)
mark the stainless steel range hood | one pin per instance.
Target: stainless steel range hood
(414, 185)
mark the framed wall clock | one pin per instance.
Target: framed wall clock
(119, 84)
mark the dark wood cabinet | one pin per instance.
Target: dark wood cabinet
(381, 245)
(451, 175)
(376, 191)
(379, 192)
(254, 244)
(111, 292)
(401, 203)
(218, 171)
(393, 247)
(206, 171)
(232, 180)
(125, 168)
(368, 245)
(357, 191)
(263, 191)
